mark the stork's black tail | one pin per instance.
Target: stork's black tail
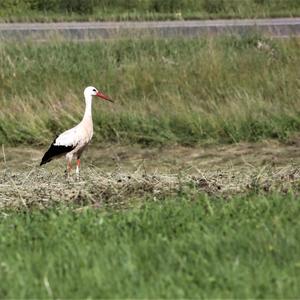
(55, 151)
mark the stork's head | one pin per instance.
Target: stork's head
(92, 91)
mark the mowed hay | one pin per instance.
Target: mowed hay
(43, 189)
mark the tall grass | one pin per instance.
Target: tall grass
(206, 248)
(58, 10)
(186, 91)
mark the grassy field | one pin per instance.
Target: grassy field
(184, 91)
(221, 223)
(85, 10)
(180, 247)
(190, 188)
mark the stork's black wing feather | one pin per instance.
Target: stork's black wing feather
(55, 151)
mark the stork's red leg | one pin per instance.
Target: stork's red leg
(69, 167)
(78, 167)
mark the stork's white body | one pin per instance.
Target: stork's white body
(79, 136)
(73, 141)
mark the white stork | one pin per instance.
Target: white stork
(74, 141)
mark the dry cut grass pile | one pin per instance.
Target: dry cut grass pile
(41, 188)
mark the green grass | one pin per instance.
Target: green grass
(84, 10)
(185, 91)
(245, 247)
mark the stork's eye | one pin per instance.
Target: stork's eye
(94, 90)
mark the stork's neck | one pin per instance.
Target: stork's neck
(88, 108)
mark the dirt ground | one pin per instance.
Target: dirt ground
(111, 175)
(165, 159)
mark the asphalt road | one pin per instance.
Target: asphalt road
(280, 27)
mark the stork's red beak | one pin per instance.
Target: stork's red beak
(101, 95)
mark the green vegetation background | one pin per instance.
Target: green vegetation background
(186, 91)
(58, 10)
